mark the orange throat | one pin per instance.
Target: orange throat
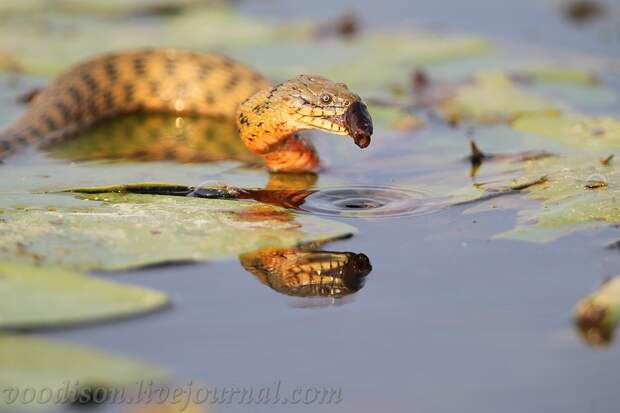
(265, 130)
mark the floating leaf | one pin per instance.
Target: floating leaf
(491, 98)
(550, 74)
(42, 296)
(399, 54)
(180, 406)
(115, 230)
(58, 373)
(569, 200)
(576, 131)
(47, 40)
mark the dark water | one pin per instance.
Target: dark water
(448, 320)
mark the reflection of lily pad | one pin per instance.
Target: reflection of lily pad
(577, 131)
(128, 230)
(36, 296)
(58, 372)
(493, 97)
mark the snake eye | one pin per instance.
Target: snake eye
(325, 98)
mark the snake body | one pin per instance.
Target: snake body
(188, 82)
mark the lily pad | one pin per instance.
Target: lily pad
(56, 373)
(579, 193)
(399, 54)
(551, 74)
(50, 39)
(116, 231)
(577, 131)
(35, 296)
(492, 98)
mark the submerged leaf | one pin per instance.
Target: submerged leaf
(59, 373)
(42, 296)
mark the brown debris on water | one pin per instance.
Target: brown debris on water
(583, 11)
(591, 326)
(596, 184)
(477, 157)
(162, 10)
(346, 26)
(596, 316)
(614, 245)
(605, 161)
(420, 81)
(496, 192)
(521, 186)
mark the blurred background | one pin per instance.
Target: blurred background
(591, 26)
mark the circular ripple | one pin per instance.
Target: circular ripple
(369, 202)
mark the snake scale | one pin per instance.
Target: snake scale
(187, 82)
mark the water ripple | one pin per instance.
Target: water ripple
(369, 202)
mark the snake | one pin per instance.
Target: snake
(269, 117)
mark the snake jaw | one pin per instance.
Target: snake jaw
(353, 121)
(329, 123)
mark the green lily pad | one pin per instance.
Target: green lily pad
(116, 231)
(399, 54)
(56, 373)
(561, 75)
(577, 131)
(47, 40)
(35, 296)
(491, 98)
(579, 193)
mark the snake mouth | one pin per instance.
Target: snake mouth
(355, 122)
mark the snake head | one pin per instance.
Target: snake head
(318, 103)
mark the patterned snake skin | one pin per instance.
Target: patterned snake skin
(186, 82)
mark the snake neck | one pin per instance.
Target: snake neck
(266, 129)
